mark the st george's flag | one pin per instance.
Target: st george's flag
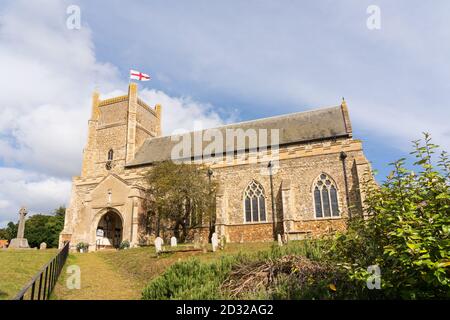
(137, 75)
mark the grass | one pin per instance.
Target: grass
(123, 274)
(142, 264)
(18, 267)
(201, 276)
(99, 280)
(110, 274)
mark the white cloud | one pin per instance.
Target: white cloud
(183, 112)
(40, 193)
(48, 75)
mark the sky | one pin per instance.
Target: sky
(215, 63)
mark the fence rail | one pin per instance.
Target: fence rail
(44, 281)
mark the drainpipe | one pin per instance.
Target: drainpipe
(210, 173)
(269, 165)
(343, 156)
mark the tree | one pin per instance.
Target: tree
(407, 233)
(39, 228)
(179, 195)
(60, 211)
(9, 232)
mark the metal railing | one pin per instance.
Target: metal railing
(42, 284)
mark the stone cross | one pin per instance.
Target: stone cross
(280, 241)
(21, 230)
(214, 242)
(158, 244)
(20, 241)
(173, 242)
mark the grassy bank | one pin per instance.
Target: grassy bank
(143, 265)
(19, 266)
(202, 278)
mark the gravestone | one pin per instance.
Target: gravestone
(20, 242)
(42, 246)
(197, 243)
(280, 241)
(214, 242)
(158, 244)
(223, 241)
(173, 242)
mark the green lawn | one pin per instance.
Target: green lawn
(18, 267)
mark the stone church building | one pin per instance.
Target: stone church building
(313, 190)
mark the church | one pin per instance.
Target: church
(307, 184)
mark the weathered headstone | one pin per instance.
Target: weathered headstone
(158, 244)
(214, 242)
(20, 241)
(223, 241)
(197, 242)
(42, 246)
(280, 241)
(173, 242)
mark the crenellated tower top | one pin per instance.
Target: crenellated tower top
(117, 128)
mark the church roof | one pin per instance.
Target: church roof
(294, 128)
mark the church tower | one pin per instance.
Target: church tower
(116, 129)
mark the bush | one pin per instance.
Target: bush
(124, 245)
(193, 279)
(407, 233)
(190, 279)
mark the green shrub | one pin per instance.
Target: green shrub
(193, 279)
(407, 234)
(190, 279)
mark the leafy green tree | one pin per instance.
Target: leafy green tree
(407, 233)
(3, 234)
(39, 228)
(179, 195)
(10, 231)
(43, 228)
(60, 211)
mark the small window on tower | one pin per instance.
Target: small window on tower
(110, 155)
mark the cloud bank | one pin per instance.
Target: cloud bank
(48, 75)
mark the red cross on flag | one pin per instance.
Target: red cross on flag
(137, 75)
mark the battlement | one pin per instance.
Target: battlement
(117, 128)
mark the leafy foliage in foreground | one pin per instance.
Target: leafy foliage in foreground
(407, 234)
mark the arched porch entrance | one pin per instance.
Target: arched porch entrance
(109, 230)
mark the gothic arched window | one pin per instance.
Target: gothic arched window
(254, 202)
(110, 155)
(325, 197)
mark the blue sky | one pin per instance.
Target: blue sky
(215, 62)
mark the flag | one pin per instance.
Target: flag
(137, 75)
